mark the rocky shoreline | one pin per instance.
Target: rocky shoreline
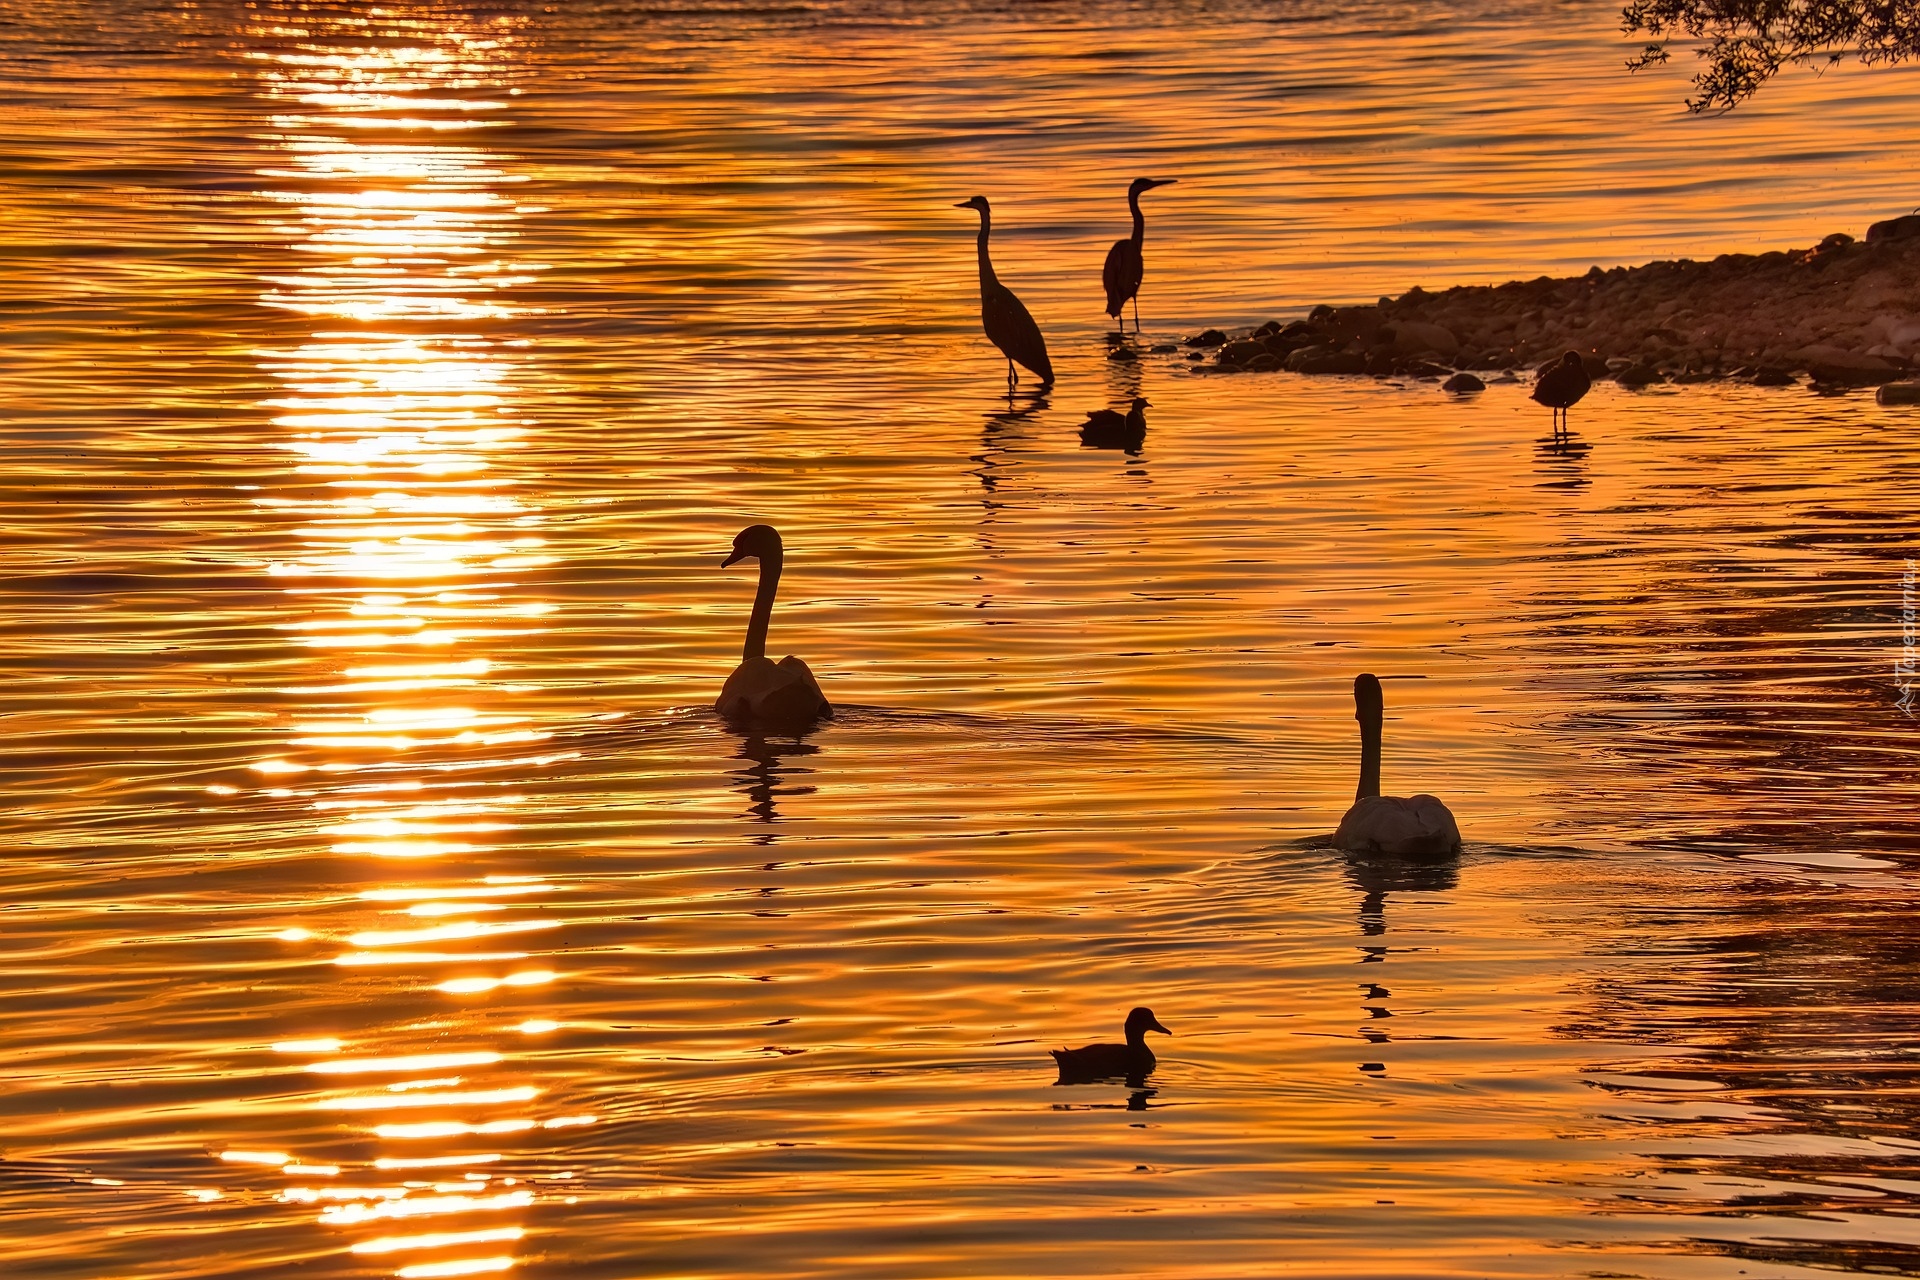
(1844, 313)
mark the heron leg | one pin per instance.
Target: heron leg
(1013, 377)
(1136, 313)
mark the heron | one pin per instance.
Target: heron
(1124, 268)
(1560, 386)
(1008, 323)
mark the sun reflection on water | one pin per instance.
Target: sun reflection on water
(395, 411)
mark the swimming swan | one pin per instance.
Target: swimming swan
(1416, 827)
(779, 693)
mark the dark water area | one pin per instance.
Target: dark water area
(381, 389)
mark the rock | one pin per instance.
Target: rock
(1163, 348)
(1899, 393)
(1422, 369)
(1208, 338)
(1123, 355)
(1271, 326)
(1416, 337)
(1837, 364)
(1241, 352)
(1905, 335)
(1463, 384)
(1901, 228)
(1599, 366)
(1773, 376)
(1637, 376)
(1263, 362)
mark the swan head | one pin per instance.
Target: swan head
(974, 202)
(755, 542)
(1141, 1021)
(1143, 185)
(1368, 703)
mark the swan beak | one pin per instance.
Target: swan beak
(1155, 1026)
(737, 556)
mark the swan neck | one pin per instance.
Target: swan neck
(986, 263)
(762, 607)
(1369, 756)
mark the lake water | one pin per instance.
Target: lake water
(381, 389)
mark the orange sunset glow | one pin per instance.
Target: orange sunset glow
(964, 640)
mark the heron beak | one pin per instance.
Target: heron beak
(1155, 1026)
(963, 204)
(737, 556)
(1164, 182)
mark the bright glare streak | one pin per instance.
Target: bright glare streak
(418, 1062)
(469, 1267)
(256, 1157)
(424, 1207)
(392, 1101)
(465, 986)
(457, 891)
(449, 1128)
(535, 1026)
(445, 932)
(444, 1240)
(434, 1162)
(308, 1046)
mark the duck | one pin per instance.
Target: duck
(1111, 429)
(1101, 1061)
(1560, 386)
(761, 691)
(1399, 826)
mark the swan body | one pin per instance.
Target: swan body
(1111, 429)
(1101, 1061)
(761, 690)
(1008, 323)
(1125, 267)
(1400, 826)
(1561, 385)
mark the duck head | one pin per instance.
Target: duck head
(1141, 1021)
(755, 542)
(975, 202)
(1141, 402)
(1143, 185)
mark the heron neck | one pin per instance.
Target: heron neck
(1139, 219)
(762, 607)
(986, 264)
(1369, 758)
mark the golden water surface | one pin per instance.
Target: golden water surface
(381, 388)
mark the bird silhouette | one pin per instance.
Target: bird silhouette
(762, 691)
(1560, 385)
(1125, 268)
(1111, 429)
(1103, 1061)
(1416, 827)
(1008, 323)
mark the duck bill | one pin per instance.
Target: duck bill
(1155, 1026)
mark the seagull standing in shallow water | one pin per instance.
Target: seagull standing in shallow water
(1560, 385)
